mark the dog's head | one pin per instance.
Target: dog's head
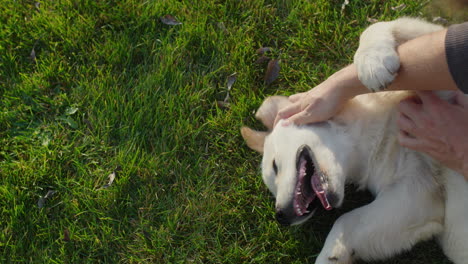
(303, 166)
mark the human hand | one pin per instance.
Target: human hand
(436, 127)
(313, 106)
(324, 101)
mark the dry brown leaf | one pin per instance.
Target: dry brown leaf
(263, 60)
(399, 7)
(32, 56)
(440, 20)
(66, 235)
(223, 105)
(262, 50)
(230, 81)
(42, 200)
(372, 20)
(111, 180)
(272, 71)
(170, 20)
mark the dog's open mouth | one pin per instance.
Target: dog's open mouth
(311, 183)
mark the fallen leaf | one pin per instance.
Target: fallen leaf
(88, 124)
(49, 194)
(66, 235)
(69, 121)
(343, 6)
(440, 20)
(45, 139)
(42, 200)
(399, 7)
(272, 71)
(223, 105)
(170, 20)
(37, 5)
(32, 56)
(263, 60)
(223, 27)
(372, 20)
(147, 235)
(71, 110)
(262, 50)
(111, 180)
(230, 81)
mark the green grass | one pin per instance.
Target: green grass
(111, 88)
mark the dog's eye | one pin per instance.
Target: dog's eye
(275, 168)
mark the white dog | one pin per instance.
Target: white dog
(308, 166)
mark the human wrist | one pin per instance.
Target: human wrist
(347, 82)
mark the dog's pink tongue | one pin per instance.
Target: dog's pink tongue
(320, 192)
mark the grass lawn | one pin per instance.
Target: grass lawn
(90, 88)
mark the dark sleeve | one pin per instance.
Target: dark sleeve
(456, 49)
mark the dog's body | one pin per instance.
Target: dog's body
(415, 198)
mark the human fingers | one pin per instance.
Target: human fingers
(406, 124)
(303, 117)
(429, 98)
(288, 111)
(296, 97)
(410, 107)
(461, 99)
(407, 140)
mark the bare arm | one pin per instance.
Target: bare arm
(423, 66)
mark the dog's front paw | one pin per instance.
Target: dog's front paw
(377, 66)
(336, 258)
(338, 254)
(335, 252)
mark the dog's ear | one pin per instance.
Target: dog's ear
(253, 138)
(269, 108)
(267, 114)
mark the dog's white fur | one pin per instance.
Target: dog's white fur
(415, 198)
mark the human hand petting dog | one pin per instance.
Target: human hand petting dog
(325, 100)
(436, 127)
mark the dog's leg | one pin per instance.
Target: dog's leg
(401, 216)
(454, 239)
(376, 59)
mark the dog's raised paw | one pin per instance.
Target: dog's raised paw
(377, 66)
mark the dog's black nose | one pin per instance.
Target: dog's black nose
(282, 218)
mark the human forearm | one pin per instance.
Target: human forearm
(346, 82)
(423, 64)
